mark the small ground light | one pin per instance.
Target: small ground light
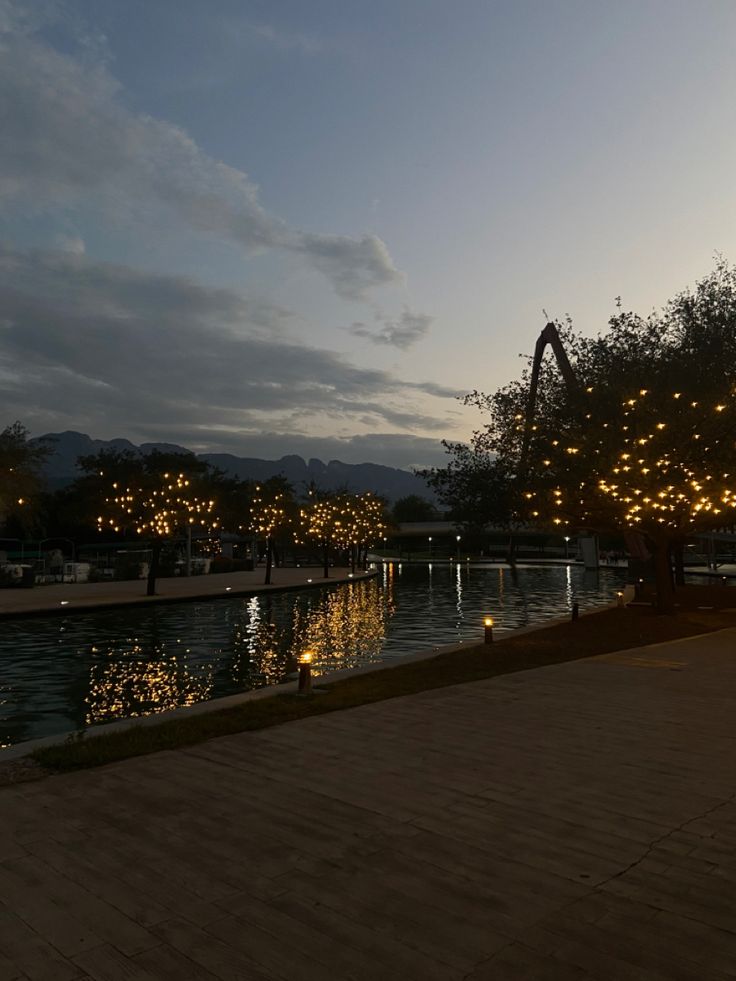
(620, 598)
(228, 588)
(488, 630)
(305, 674)
(64, 603)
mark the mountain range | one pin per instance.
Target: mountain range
(61, 467)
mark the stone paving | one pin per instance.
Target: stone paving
(573, 822)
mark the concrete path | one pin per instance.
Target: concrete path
(75, 597)
(574, 822)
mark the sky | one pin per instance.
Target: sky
(282, 227)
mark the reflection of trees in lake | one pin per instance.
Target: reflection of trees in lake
(259, 644)
(149, 680)
(345, 629)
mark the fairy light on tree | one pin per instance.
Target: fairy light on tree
(636, 438)
(370, 521)
(270, 512)
(323, 520)
(659, 469)
(156, 506)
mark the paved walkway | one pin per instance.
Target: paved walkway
(574, 822)
(70, 597)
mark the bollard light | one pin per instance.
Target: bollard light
(575, 611)
(620, 597)
(488, 630)
(305, 674)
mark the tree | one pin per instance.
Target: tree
(413, 508)
(643, 444)
(21, 482)
(321, 521)
(271, 511)
(361, 521)
(156, 506)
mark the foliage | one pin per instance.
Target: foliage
(20, 473)
(156, 506)
(413, 508)
(644, 442)
(272, 510)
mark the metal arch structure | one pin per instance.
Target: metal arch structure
(635, 541)
(549, 336)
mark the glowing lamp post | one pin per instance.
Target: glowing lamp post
(567, 540)
(488, 630)
(457, 552)
(430, 548)
(620, 598)
(305, 674)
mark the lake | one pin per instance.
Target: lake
(67, 673)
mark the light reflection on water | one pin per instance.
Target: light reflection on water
(61, 674)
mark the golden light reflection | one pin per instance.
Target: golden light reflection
(346, 629)
(140, 686)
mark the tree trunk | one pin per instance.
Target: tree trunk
(663, 578)
(269, 562)
(678, 554)
(153, 569)
(326, 558)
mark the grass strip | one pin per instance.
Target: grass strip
(600, 633)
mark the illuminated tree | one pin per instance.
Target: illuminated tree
(155, 506)
(271, 511)
(321, 521)
(20, 472)
(368, 523)
(642, 445)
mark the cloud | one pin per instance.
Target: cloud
(308, 44)
(401, 333)
(71, 243)
(69, 141)
(85, 344)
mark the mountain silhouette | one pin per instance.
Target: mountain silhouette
(390, 482)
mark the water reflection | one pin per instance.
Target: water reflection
(57, 675)
(121, 689)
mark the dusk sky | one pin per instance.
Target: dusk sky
(305, 227)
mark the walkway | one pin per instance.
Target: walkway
(74, 597)
(575, 822)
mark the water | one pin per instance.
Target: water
(59, 674)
